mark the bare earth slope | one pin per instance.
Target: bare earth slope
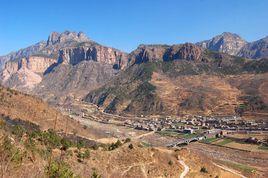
(15, 105)
(186, 82)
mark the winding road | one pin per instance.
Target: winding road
(186, 169)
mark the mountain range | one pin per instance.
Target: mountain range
(223, 75)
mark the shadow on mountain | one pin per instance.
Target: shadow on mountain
(50, 68)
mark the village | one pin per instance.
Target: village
(190, 124)
(198, 127)
(182, 129)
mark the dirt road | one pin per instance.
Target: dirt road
(186, 169)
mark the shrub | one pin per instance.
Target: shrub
(80, 144)
(59, 169)
(170, 163)
(2, 123)
(9, 153)
(65, 144)
(87, 153)
(127, 140)
(95, 175)
(204, 170)
(115, 145)
(83, 155)
(50, 138)
(18, 131)
(130, 146)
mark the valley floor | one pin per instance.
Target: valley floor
(230, 161)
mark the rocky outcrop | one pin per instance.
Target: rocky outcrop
(23, 80)
(38, 64)
(67, 36)
(255, 50)
(35, 64)
(93, 52)
(26, 52)
(49, 48)
(151, 53)
(26, 72)
(67, 64)
(229, 43)
(186, 51)
(148, 53)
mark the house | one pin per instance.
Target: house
(188, 131)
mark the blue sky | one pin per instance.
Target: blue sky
(124, 24)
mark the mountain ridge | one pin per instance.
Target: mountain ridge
(122, 82)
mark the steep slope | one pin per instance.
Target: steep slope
(187, 81)
(255, 50)
(24, 74)
(73, 81)
(22, 53)
(47, 48)
(18, 108)
(43, 70)
(227, 42)
(28, 148)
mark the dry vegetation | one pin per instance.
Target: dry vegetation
(16, 105)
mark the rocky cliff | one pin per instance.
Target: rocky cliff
(69, 48)
(68, 64)
(94, 52)
(47, 48)
(26, 52)
(25, 73)
(256, 49)
(219, 85)
(227, 42)
(151, 53)
(67, 36)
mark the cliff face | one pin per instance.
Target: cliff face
(26, 72)
(47, 48)
(96, 53)
(26, 52)
(38, 64)
(255, 50)
(186, 51)
(60, 48)
(68, 64)
(151, 53)
(67, 36)
(148, 53)
(229, 43)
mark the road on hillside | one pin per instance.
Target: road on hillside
(186, 169)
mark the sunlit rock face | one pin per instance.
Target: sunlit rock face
(151, 53)
(93, 52)
(229, 43)
(255, 50)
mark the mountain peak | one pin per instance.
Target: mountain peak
(227, 42)
(229, 34)
(56, 37)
